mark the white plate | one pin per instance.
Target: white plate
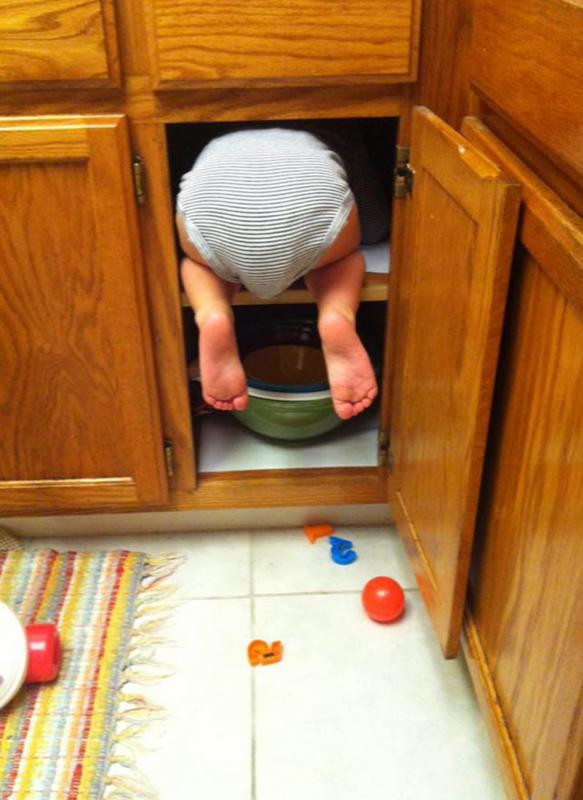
(13, 655)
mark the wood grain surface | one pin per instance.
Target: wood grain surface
(452, 291)
(221, 490)
(502, 742)
(528, 600)
(294, 487)
(278, 40)
(141, 104)
(375, 287)
(399, 213)
(527, 61)
(527, 591)
(162, 280)
(443, 83)
(56, 42)
(78, 396)
(564, 184)
(549, 229)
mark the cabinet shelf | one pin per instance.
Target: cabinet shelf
(226, 446)
(375, 285)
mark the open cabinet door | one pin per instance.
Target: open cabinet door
(449, 306)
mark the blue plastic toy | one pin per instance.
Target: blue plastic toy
(341, 551)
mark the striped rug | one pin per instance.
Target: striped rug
(64, 741)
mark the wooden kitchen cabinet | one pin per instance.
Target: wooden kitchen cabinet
(459, 237)
(193, 43)
(79, 416)
(526, 59)
(518, 66)
(526, 601)
(58, 43)
(93, 334)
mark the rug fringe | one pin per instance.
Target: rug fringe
(161, 566)
(8, 541)
(135, 711)
(123, 788)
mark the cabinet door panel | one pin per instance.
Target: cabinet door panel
(527, 586)
(194, 43)
(461, 220)
(78, 411)
(58, 42)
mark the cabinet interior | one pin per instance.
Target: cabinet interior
(223, 444)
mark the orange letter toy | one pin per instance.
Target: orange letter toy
(259, 652)
(314, 532)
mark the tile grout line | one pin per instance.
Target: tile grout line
(251, 596)
(252, 671)
(325, 592)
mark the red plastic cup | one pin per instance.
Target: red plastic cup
(44, 653)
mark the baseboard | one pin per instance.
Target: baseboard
(164, 521)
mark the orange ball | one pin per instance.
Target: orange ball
(383, 599)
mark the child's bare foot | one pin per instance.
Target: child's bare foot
(224, 385)
(350, 373)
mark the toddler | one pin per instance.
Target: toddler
(262, 208)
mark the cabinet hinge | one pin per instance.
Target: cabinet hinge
(383, 448)
(169, 457)
(404, 172)
(386, 458)
(139, 172)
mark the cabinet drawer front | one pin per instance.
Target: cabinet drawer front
(274, 40)
(58, 42)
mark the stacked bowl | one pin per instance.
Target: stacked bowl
(289, 395)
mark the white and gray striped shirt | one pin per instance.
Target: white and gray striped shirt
(262, 206)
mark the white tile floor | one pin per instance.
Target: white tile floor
(355, 710)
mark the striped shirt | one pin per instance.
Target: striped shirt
(261, 206)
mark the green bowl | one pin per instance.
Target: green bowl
(291, 420)
(289, 395)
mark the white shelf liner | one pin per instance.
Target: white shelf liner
(226, 445)
(377, 257)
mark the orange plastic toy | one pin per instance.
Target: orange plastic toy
(314, 532)
(260, 653)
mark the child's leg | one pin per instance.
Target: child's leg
(336, 288)
(224, 385)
